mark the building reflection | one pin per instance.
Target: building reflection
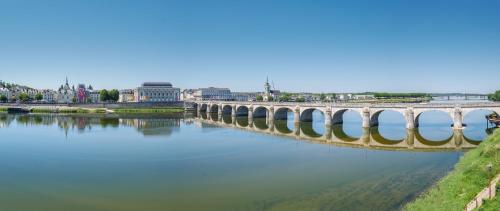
(81, 124)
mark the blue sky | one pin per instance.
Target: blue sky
(317, 46)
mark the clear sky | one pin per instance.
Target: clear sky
(316, 46)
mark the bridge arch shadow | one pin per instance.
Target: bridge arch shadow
(312, 122)
(392, 123)
(227, 110)
(378, 137)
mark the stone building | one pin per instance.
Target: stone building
(156, 92)
(126, 95)
(270, 94)
(213, 93)
(65, 94)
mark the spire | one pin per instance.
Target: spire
(66, 79)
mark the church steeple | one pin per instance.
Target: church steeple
(67, 81)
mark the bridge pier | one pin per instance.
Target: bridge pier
(410, 118)
(328, 117)
(457, 118)
(296, 115)
(365, 115)
(270, 114)
(219, 110)
(233, 111)
(250, 116)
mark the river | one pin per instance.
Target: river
(84, 162)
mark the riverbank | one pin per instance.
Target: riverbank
(79, 110)
(469, 177)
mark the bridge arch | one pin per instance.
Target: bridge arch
(227, 109)
(418, 115)
(214, 108)
(241, 110)
(281, 113)
(260, 112)
(203, 107)
(338, 115)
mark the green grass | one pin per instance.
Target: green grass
(3, 109)
(491, 205)
(149, 110)
(468, 178)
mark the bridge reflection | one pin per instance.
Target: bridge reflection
(370, 137)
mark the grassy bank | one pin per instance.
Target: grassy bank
(148, 110)
(468, 178)
(68, 110)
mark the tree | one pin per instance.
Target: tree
(3, 98)
(73, 100)
(322, 97)
(104, 95)
(300, 100)
(270, 98)
(23, 97)
(113, 95)
(38, 96)
(259, 98)
(494, 96)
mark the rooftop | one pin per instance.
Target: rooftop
(168, 84)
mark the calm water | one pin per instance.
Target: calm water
(184, 163)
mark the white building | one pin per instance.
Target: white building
(188, 94)
(126, 95)
(65, 94)
(157, 92)
(244, 96)
(5, 92)
(363, 96)
(49, 96)
(94, 96)
(213, 93)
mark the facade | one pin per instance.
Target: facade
(65, 94)
(244, 96)
(363, 97)
(213, 93)
(93, 96)
(188, 94)
(81, 94)
(270, 94)
(49, 96)
(5, 92)
(126, 95)
(157, 92)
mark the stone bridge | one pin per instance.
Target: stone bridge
(333, 112)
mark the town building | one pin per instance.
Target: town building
(65, 94)
(93, 96)
(5, 92)
(270, 94)
(363, 96)
(156, 92)
(244, 96)
(126, 95)
(188, 94)
(81, 94)
(213, 93)
(49, 96)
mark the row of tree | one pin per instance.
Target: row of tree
(494, 96)
(399, 95)
(107, 96)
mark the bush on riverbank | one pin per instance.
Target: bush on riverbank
(3, 109)
(149, 110)
(469, 177)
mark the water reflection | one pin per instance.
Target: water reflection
(148, 126)
(369, 137)
(337, 134)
